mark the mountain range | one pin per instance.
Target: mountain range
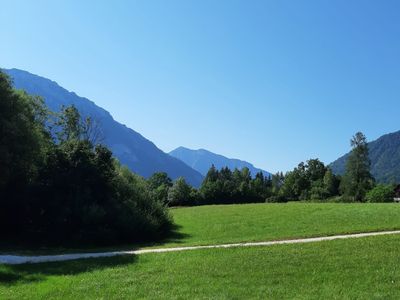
(132, 149)
(144, 158)
(384, 154)
(201, 160)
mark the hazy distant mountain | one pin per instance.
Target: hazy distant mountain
(385, 159)
(201, 160)
(131, 148)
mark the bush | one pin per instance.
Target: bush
(84, 195)
(138, 217)
(380, 193)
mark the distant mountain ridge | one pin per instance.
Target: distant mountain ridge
(132, 149)
(385, 159)
(201, 160)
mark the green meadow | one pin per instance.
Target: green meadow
(366, 268)
(218, 224)
(342, 269)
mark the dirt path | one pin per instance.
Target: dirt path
(17, 259)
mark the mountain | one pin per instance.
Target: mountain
(201, 160)
(385, 159)
(131, 148)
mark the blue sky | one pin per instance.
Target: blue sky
(271, 82)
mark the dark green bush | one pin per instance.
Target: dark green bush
(380, 193)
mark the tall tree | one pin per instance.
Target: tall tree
(159, 184)
(357, 180)
(23, 145)
(21, 134)
(179, 193)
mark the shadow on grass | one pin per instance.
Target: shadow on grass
(175, 236)
(20, 246)
(30, 273)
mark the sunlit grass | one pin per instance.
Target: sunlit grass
(218, 224)
(364, 268)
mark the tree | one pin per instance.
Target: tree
(63, 188)
(381, 193)
(22, 134)
(318, 190)
(357, 180)
(159, 184)
(212, 174)
(331, 183)
(71, 125)
(261, 186)
(211, 187)
(310, 180)
(277, 182)
(180, 193)
(23, 145)
(237, 186)
(315, 170)
(296, 184)
(158, 179)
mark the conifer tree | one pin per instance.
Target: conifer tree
(357, 180)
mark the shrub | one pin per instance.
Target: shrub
(380, 193)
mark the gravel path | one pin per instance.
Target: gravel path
(17, 259)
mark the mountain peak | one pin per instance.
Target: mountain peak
(202, 159)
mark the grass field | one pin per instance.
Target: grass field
(365, 268)
(218, 224)
(343, 269)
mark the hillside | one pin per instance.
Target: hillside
(201, 160)
(132, 149)
(385, 159)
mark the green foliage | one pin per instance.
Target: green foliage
(311, 180)
(380, 193)
(357, 180)
(24, 143)
(144, 219)
(67, 188)
(159, 185)
(23, 137)
(70, 123)
(318, 190)
(331, 183)
(225, 186)
(180, 193)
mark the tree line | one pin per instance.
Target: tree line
(309, 181)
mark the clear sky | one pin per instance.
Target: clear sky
(270, 82)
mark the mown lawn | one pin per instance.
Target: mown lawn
(366, 268)
(216, 224)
